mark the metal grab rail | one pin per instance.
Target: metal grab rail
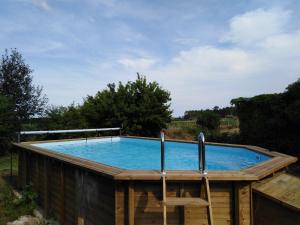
(201, 152)
(65, 131)
(162, 151)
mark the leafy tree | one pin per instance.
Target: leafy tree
(271, 120)
(223, 112)
(7, 122)
(65, 118)
(141, 107)
(208, 119)
(16, 84)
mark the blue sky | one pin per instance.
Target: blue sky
(204, 52)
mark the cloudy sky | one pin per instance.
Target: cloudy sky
(204, 52)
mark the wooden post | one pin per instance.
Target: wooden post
(24, 168)
(62, 192)
(11, 165)
(236, 205)
(181, 209)
(251, 204)
(130, 203)
(46, 188)
(164, 199)
(79, 197)
(242, 204)
(20, 169)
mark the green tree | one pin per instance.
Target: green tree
(61, 118)
(271, 120)
(7, 122)
(208, 119)
(141, 107)
(16, 84)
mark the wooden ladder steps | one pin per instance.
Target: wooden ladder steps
(185, 201)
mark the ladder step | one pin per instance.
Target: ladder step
(184, 201)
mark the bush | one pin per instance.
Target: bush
(11, 207)
(272, 120)
(28, 198)
(141, 107)
(209, 120)
(7, 123)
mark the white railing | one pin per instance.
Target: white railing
(66, 131)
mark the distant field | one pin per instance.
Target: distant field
(229, 125)
(188, 129)
(183, 123)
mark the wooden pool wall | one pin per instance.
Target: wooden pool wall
(77, 191)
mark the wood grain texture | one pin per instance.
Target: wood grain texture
(69, 194)
(77, 191)
(267, 211)
(283, 188)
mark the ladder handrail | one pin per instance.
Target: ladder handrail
(201, 152)
(201, 155)
(162, 152)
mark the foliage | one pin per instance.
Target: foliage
(48, 222)
(271, 120)
(28, 198)
(11, 207)
(141, 107)
(222, 112)
(69, 117)
(208, 119)
(7, 122)
(16, 84)
(5, 163)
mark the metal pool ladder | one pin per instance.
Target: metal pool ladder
(187, 201)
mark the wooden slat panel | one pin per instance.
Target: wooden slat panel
(267, 211)
(283, 188)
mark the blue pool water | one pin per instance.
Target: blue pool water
(132, 153)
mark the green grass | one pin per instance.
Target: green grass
(10, 207)
(5, 163)
(229, 122)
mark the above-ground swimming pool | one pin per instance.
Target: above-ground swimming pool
(117, 180)
(144, 154)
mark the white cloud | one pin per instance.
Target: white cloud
(255, 26)
(43, 4)
(264, 57)
(258, 54)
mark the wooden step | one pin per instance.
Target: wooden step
(184, 201)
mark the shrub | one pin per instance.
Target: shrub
(209, 120)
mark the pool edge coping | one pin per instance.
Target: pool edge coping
(278, 162)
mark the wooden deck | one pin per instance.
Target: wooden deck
(283, 189)
(277, 200)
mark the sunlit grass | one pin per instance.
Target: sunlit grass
(5, 163)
